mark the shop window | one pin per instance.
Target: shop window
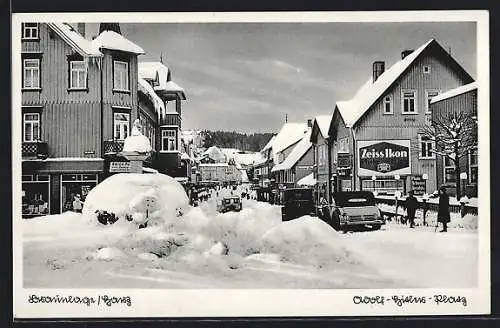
(77, 75)
(121, 125)
(409, 102)
(31, 73)
(426, 148)
(449, 170)
(31, 127)
(168, 140)
(428, 96)
(473, 160)
(35, 195)
(30, 31)
(120, 76)
(388, 105)
(75, 186)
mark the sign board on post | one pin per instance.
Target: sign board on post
(119, 167)
(383, 157)
(417, 185)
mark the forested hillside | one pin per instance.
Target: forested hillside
(242, 141)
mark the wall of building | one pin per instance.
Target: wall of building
(376, 125)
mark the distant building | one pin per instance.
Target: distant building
(220, 173)
(322, 159)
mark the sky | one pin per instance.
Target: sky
(246, 77)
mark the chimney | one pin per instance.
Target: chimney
(405, 53)
(309, 123)
(378, 69)
(80, 27)
(115, 27)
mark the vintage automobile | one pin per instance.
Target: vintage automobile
(353, 209)
(227, 204)
(297, 202)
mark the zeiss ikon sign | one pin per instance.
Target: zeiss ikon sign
(384, 157)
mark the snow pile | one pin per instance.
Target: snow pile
(108, 254)
(156, 196)
(306, 240)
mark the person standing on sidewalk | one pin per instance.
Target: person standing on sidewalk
(411, 207)
(444, 208)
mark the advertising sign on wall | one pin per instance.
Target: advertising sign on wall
(418, 185)
(383, 157)
(119, 167)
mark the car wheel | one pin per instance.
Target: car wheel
(376, 227)
(335, 222)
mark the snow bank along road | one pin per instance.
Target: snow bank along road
(186, 247)
(250, 249)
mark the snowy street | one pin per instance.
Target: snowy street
(249, 249)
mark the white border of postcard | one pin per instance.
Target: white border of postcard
(256, 302)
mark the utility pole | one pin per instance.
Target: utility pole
(286, 118)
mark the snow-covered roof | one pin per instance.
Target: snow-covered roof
(269, 143)
(323, 122)
(247, 158)
(308, 180)
(297, 152)
(455, 92)
(352, 110)
(174, 87)
(147, 89)
(215, 153)
(83, 46)
(289, 134)
(114, 41)
(148, 71)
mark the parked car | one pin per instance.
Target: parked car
(297, 202)
(354, 209)
(227, 204)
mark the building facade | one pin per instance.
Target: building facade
(76, 94)
(321, 155)
(376, 136)
(219, 172)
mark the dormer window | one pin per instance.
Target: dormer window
(30, 31)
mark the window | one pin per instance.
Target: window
(78, 75)
(322, 154)
(344, 145)
(31, 123)
(426, 148)
(120, 77)
(473, 162)
(388, 105)
(429, 95)
(409, 102)
(168, 140)
(30, 31)
(427, 69)
(449, 170)
(121, 125)
(31, 71)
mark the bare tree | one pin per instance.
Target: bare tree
(454, 134)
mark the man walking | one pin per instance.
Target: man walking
(411, 207)
(444, 208)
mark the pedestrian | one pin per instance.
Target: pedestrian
(411, 207)
(77, 204)
(444, 208)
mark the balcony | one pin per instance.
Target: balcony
(36, 149)
(113, 146)
(171, 119)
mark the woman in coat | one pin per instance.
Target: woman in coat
(444, 208)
